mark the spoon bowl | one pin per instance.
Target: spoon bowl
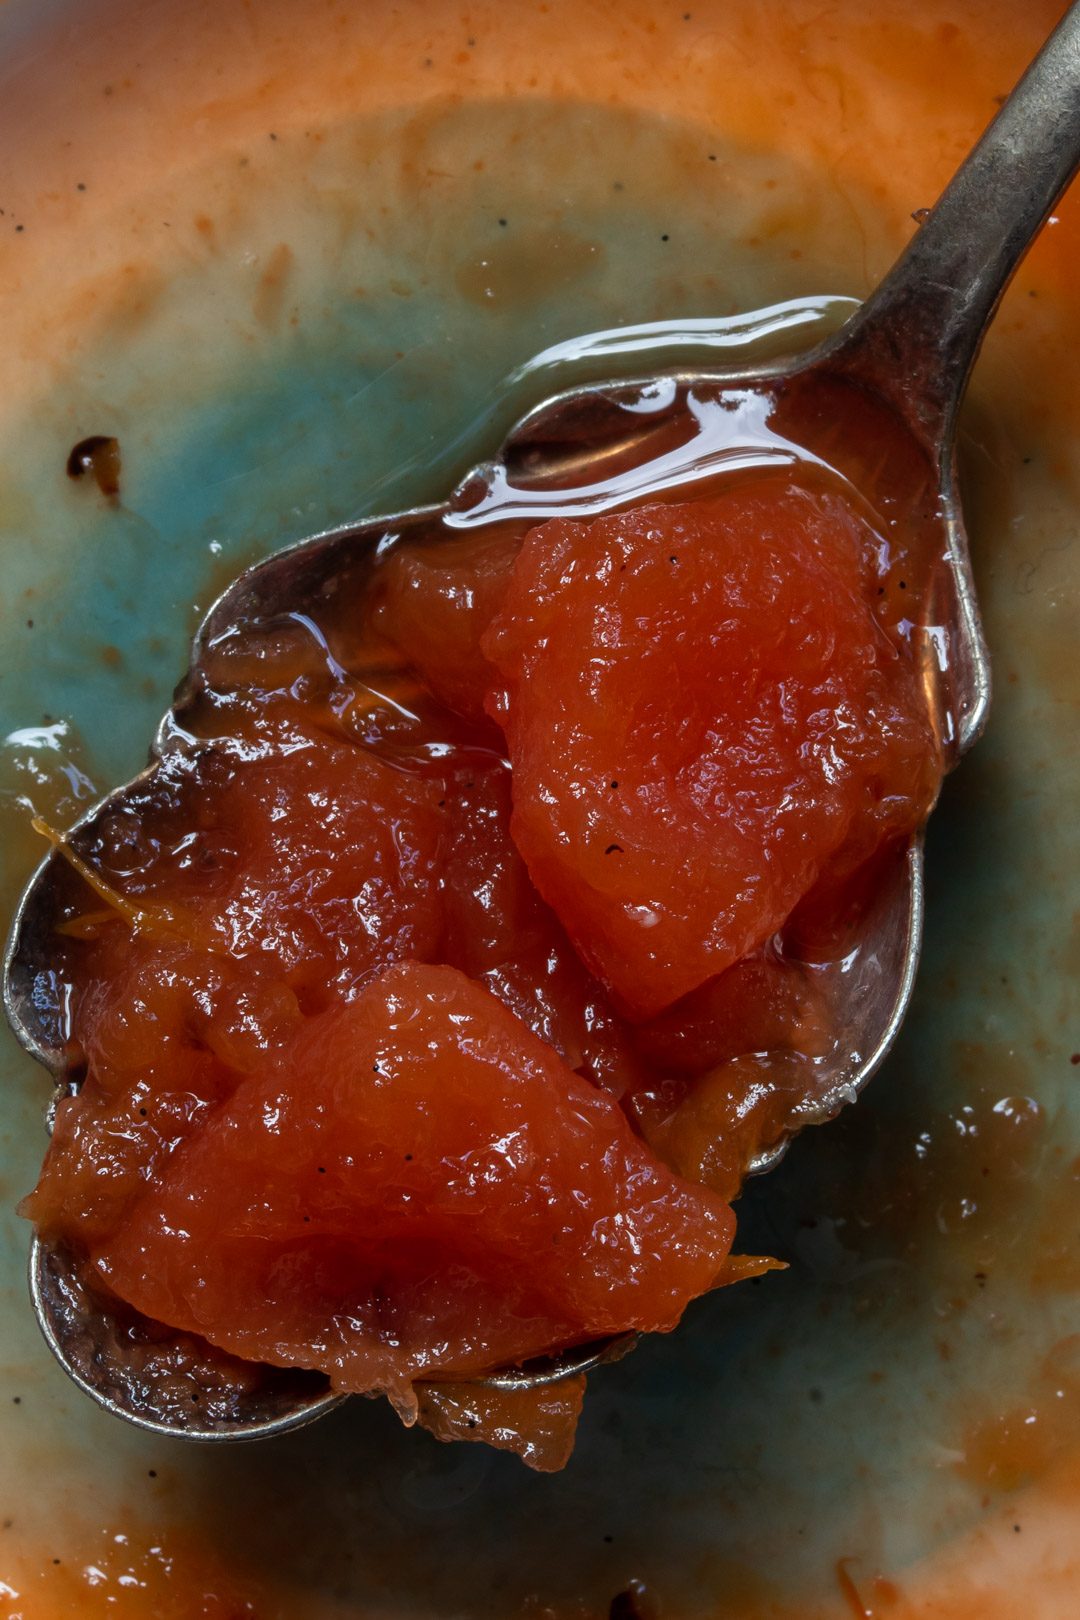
(903, 358)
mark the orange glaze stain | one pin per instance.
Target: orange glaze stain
(131, 1576)
(268, 303)
(850, 1592)
(883, 1594)
(937, 99)
(1055, 1254)
(139, 292)
(1010, 1448)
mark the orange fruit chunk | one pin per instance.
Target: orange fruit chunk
(703, 716)
(415, 1185)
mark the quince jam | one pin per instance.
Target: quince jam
(431, 996)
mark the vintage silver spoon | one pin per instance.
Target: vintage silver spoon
(909, 348)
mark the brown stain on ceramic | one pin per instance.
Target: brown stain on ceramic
(273, 286)
(525, 267)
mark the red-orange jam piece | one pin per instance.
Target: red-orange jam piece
(726, 1066)
(413, 1185)
(703, 717)
(498, 930)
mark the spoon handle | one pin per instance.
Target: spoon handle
(915, 339)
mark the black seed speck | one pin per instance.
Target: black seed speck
(665, 237)
(613, 848)
(614, 785)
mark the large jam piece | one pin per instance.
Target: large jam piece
(703, 716)
(428, 1001)
(415, 1184)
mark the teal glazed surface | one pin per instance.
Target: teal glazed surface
(812, 1416)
